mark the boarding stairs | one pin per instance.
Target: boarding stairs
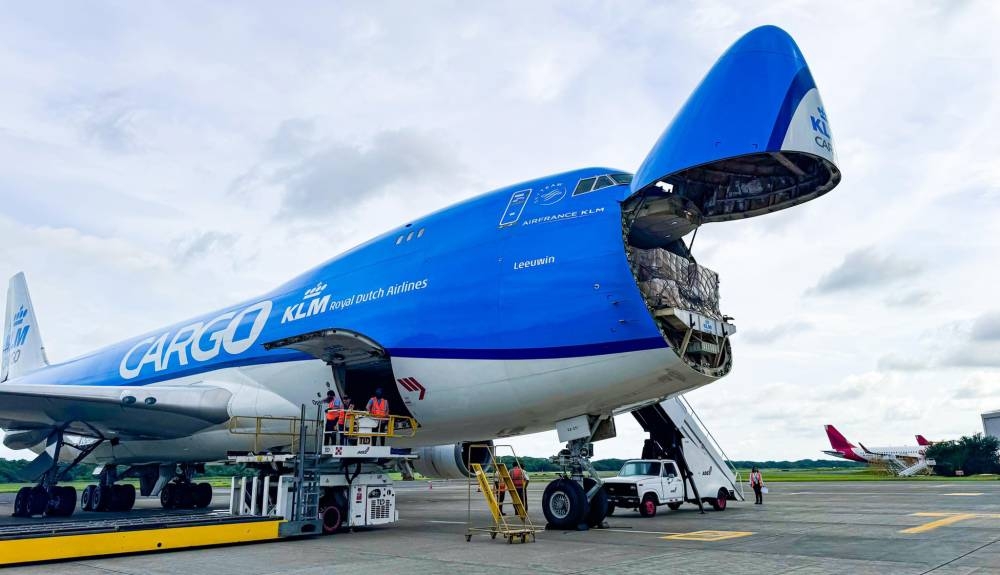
(674, 427)
(918, 467)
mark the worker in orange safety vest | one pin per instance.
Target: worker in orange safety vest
(334, 418)
(519, 477)
(379, 408)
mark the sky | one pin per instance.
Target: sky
(160, 160)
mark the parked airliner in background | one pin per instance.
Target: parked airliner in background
(521, 310)
(902, 460)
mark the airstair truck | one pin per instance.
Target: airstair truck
(681, 445)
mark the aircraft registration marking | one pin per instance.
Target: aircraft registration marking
(708, 535)
(946, 519)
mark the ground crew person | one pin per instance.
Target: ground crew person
(757, 482)
(342, 425)
(334, 411)
(379, 408)
(519, 478)
(501, 494)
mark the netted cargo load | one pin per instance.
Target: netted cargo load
(669, 280)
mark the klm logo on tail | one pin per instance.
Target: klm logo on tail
(17, 335)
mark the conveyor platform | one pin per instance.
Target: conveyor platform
(35, 542)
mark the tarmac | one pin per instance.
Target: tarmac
(886, 527)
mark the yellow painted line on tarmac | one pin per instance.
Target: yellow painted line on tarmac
(55, 547)
(640, 532)
(708, 535)
(947, 519)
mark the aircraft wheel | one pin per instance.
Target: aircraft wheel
(122, 497)
(168, 499)
(102, 498)
(611, 509)
(62, 502)
(564, 504)
(87, 498)
(674, 506)
(38, 500)
(719, 503)
(647, 507)
(202, 495)
(22, 502)
(597, 509)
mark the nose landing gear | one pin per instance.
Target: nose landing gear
(577, 500)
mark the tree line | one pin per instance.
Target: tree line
(971, 455)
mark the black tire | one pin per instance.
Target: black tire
(332, 517)
(674, 506)
(647, 507)
(38, 500)
(123, 497)
(719, 503)
(168, 499)
(22, 502)
(598, 506)
(611, 509)
(564, 504)
(103, 498)
(87, 498)
(62, 502)
(202, 495)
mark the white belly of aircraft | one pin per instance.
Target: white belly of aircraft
(464, 400)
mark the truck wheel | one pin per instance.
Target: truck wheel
(719, 503)
(598, 508)
(647, 507)
(674, 506)
(564, 504)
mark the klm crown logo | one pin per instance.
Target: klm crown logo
(313, 292)
(20, 315)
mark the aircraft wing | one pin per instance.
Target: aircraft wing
(27, 412)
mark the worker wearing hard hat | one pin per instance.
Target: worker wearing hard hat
(378, 407)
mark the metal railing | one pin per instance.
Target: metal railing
(270, 432)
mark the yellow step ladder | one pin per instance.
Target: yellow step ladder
(520, 526)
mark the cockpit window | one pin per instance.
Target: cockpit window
(587, 185)
(584, 186)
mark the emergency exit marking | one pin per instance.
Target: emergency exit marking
(708, 535)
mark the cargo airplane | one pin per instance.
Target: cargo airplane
(565, 298)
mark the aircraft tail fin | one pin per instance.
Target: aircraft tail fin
(23, 351)
(921, 440)
(837, 440)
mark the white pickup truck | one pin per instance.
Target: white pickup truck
(645, 484)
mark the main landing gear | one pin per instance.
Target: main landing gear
(576, 500)
(181, 492)
(48, 498)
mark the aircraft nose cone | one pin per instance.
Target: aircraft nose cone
(767, 39)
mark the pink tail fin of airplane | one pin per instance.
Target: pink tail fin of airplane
(837, 440)
(921, 440)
